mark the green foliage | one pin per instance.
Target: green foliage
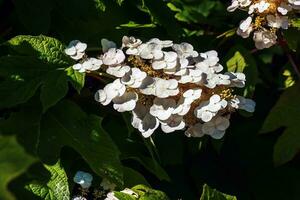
(56, 188)
(285, 114)
(296, 23)
(143, 193)
(13, 161)
(212, 194)
(44, 48)
(237, 63)
(51, 71)
(243, 61)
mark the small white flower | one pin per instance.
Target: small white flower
(295, 3)
(179, 69)
(107, 185)
(181, 108)
(238, 3)
(113, 57)
(173, 123)
(233, 6)
(242, 103)
(107, 44)
(169, 61)
(191, 76)
(162, 43)
(208, 109)
(237, 79)
(185, 50)
(278, 21)
(210, 57)
(150, 51)
(134, 78)
(92, 64)
(144, 121)
(126, 102)
(159, 87)
(109, 92)
(245, 28)
(76, 49)
(284, 8)
(79, 198)
(84, 179)
(118, 70)
(216, 127)
(111, 196)
(205, 68)
(191, 95)
(131, 43)
(162, 108)
(264, 39)
(262, 6)
(213, 80)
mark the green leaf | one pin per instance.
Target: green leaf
(56, 188)
(146, 193)
(28, 125)
(132, 178)
(124, 196)
(213, 194)
(31, 74)
(143, 192)
(55, 86)
(292, 37)
(150, 164)
(100, 5)
(76, 78)
(164, 18)
(295, 23)
(237, 63)
(45, 48)
(240, 59)
(13, 161)
(285, 114)
(16, 92)
(119, 2)
(132, 24)
(37, 61)
(67, 125)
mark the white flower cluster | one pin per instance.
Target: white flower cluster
(265, 18)
(168, 85)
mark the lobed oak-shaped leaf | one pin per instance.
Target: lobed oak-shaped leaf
(212, 194)
(13, 161)
(56, 188)
(285, 114)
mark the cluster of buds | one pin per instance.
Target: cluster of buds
(167, 85)
(265, 18)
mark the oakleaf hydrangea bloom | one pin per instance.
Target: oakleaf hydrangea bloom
(167, 85)
(84, 179)
(265, 18)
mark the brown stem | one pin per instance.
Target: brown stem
(283, 44)
(294, 65)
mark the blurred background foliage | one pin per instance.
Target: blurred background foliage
(38, 95)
